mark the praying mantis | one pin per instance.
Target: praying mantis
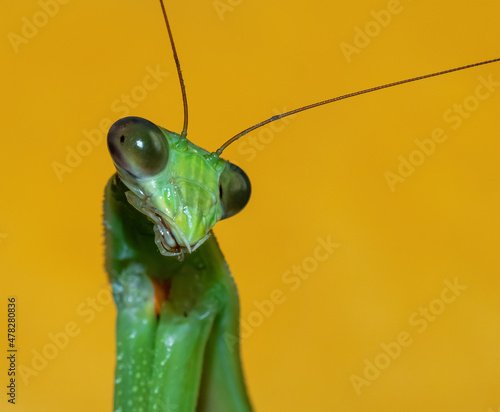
(318, 174)
(182, 361)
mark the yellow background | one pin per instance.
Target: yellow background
(322, 175)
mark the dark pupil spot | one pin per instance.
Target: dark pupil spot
(122, 139)
(220, 191)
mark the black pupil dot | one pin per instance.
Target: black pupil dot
(122, 139)
(220, 191)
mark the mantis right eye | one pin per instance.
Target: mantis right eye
(138, 146)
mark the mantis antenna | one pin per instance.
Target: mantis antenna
(345, 96)
(179, 71)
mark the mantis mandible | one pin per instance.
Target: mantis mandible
(177, 302)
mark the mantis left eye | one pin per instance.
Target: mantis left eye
(138, 146)
(235, 189)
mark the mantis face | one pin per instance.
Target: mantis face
(183, 189)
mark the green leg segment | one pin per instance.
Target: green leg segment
(135, 334)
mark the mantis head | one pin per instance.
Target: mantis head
(183, 189)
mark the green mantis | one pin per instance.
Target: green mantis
(172, 346)
(176, 299)
(159, 361)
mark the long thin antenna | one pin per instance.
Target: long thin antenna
(179, 71)
(345, 96)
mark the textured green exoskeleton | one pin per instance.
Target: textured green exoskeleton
(178, 309)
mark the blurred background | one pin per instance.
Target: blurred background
(375, 220)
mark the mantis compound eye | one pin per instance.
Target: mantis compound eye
(235, 189)
(138, 146)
